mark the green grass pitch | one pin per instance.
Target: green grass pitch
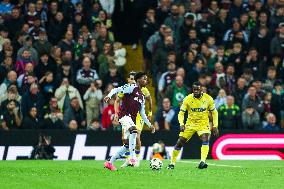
(89, 174)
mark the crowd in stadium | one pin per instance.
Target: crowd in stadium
(60, 58)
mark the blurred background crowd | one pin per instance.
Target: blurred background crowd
(60, 58)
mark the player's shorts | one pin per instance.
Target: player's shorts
(190, 130)
(126, 122)
(139, 122)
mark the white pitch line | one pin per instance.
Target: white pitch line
(217, 165)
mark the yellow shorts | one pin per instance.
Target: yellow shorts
(139, 122)
(190, 130)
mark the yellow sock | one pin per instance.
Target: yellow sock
(204, 151)
(175, 155)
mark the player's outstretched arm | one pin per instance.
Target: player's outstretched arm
(125, 89)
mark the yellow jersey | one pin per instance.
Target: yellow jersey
(198, 110)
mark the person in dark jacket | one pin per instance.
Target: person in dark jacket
(32, 98)
(31, 121)
(74, 117)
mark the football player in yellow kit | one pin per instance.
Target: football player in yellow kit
(139, 121)
(200, 107)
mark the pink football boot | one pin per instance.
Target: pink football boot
(110, 166)
(132, 162)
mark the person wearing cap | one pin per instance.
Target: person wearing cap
(277, 43)
(250, 118)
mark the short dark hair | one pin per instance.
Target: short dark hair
(138, 75)
(196, 83)
(132, 73)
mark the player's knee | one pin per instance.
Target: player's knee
(125, 142)
(180, 143)
(205, 138)
(133, 130)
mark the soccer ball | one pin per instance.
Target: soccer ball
(156, 164)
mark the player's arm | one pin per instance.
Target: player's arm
(150, 102)
(182, 110)
(214, 114)
(125, 89)
(116, 106)
(145, 119)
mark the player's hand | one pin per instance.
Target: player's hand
(182, 128)
(215, 131)
(152, 129)
(106, 99)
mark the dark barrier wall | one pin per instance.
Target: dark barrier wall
(99, 145)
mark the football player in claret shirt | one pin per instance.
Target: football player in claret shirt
(139, 120)
(200, 107)
(133, 102)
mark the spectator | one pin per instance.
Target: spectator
(74, 117)
(11, 79)
(65, 72)
(175, 22)
(36, 28)
(23, 61)
(230, 79)
(229, 115)
(31, 121)
(45, 65)
(67, 44)
(107, 116)
(167, 78)
(277, 100)
(149, 26)
(177, 91)
(5, 67)
(47, 85)
(237, 58)
(253, 100)
(15, 23)
(27, 78)
(65, 93)
(203, 26)
(56, 27)
(160, 119)
(32, 98)
(113, 77)
(93, 97)
(11, 94)
(86, 75)
(271, 123)
(220, 99)
(11, 117)
(53, 118)
(277, 42)
(42, 45)
(250, 118)
(95, 125)
(6, 7)
(28, 46)
(254, 63)
(270, 79)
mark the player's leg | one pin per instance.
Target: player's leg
(138, 147)
(205, 137)
(183, 138)
(132, 144)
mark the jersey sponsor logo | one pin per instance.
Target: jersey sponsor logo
(198, 109)
(249, 147)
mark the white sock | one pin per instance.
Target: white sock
(132, 145)
(120, 152)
